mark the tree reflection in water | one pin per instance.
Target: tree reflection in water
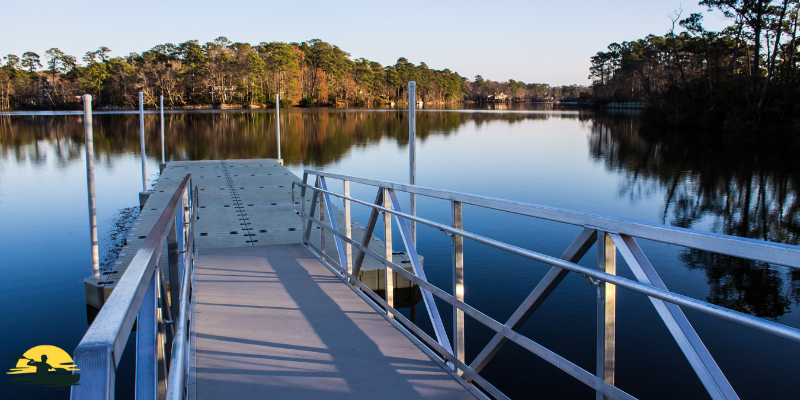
(744, 190)
(747, 190)
(317, 137)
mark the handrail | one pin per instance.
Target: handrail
(751, 249)
(729, 315)
(596, 228)
(135, 297)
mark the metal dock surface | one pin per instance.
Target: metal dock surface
(273, 322)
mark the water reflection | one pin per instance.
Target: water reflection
(746, 190)
(316, 137)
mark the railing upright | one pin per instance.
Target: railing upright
(612, 235)
(387, 239)
(458, 281)
(606, 311)
(348, 227)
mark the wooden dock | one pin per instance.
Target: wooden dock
(271, 321)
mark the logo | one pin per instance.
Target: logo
(46, 366)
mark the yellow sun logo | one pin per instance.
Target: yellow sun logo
(45, 365)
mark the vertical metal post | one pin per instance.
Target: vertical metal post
(321, 219)
(278, 124)
(180, 223)
(173, 255)
(161, 357)
(141, 130)
(185, 230)
(303, 206)
(348, 229)
(163, 151)
(387, 238)
(412, 153)
(146, 346)
(89, 140)
(606, 311)
(458, 282)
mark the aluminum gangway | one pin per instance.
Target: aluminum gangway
(329, 259)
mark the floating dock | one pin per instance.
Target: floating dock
(270, 320)
(242, 203)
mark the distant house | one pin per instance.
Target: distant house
(502, 97)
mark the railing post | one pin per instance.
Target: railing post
(179, 228)
(458, 282)
(163, 151)
(173, 255)
(303, 207)
(146, 345)
(412, 154)
(606, 311)
(387, 238)
(187, 252)
(161, 335)
(348, 229)
(166, 311)
(321, 219)
(89, 140)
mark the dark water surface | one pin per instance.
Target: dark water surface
(568, 159)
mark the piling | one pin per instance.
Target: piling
(278, 125)
(143, 195)
(163, 155)
(87, 126)
(412, 152)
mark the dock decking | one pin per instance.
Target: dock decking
(271, 321)
(274, 323)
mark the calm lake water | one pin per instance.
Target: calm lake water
(569, 159)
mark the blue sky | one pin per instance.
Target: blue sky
(532, 41)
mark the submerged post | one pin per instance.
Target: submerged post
(143, 195)
(163, 155)
(278, 124)
(87, 127)
(412, 153)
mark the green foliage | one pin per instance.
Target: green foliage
(742, 78)
(310, 73)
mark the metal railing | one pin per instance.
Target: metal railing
(612, 235)
(162, 318)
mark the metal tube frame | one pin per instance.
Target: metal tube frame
(621, 239)
(136, 298)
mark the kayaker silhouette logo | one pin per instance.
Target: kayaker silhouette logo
(45, 366)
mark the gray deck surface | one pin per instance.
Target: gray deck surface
(274, 323)
(270, 321)
(242, 203)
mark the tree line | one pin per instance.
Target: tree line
(221, 72)
(741, 78)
